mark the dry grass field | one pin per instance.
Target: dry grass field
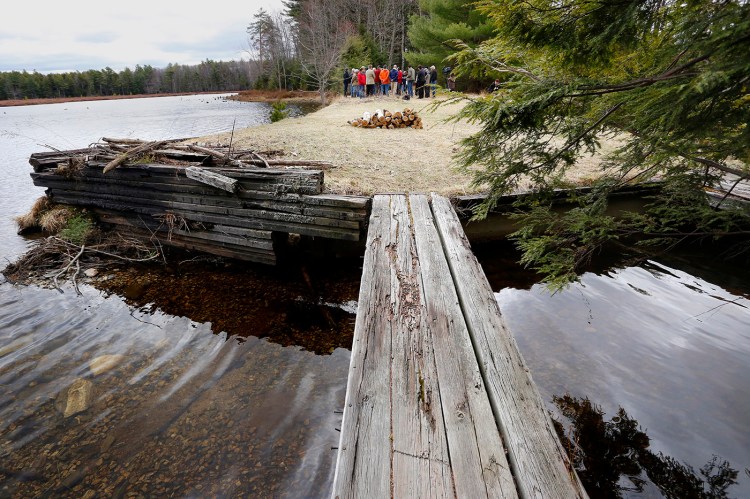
(369, 161)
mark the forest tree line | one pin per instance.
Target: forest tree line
(305, 46)
(207, 76)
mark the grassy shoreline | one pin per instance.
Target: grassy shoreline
(369, 161)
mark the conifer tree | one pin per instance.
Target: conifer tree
(670, 81)
(439, 23)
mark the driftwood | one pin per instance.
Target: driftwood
(216, 154)
(118, 152)
(141, 149)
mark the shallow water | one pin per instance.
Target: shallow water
(670, 348)
(183, 411)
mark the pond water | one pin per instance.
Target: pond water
(668, 341)
(226, 379)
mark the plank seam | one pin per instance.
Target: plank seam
(462, 305)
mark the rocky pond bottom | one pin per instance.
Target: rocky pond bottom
(105, 396)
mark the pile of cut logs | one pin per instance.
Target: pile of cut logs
(407, 118)
(206, 199)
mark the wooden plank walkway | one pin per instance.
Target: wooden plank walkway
(439, 402)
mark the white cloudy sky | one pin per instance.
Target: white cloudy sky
(60, 35)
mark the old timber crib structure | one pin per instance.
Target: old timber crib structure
(201, 199)
(439, 402)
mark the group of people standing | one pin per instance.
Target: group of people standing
(381, 81)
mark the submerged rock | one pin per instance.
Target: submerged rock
(105, 363)
(79, 397)
(14, 345)
(91, 273)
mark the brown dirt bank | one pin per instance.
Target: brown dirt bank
(368, 161)
(57, 100)
(277, 95)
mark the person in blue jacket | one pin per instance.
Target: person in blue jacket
(394, 80)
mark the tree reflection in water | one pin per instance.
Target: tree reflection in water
(612, 457)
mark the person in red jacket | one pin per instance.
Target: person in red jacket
(400, 82)
(362, 82)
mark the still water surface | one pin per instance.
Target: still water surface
(668, 341)
(193, 403)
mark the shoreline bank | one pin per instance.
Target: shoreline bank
(294, 96)
(61, 100)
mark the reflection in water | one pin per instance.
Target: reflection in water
(613, 457)
(283, 304)
(669, 340)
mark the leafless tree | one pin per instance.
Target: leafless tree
(323, 32)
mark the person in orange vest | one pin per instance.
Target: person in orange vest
(385, 80)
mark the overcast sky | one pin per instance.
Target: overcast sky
(76, 35)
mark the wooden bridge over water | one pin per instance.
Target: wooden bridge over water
(439, 402)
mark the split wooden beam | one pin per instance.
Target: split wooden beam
(212, 178)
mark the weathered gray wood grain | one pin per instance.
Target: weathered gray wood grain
(363, 464)
(420, 462)
(214, 179)
(476, 448)
(236, 221)
(539, 463)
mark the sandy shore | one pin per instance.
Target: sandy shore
(368, 161)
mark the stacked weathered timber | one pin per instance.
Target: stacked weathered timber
(407, 118)
(199, 203)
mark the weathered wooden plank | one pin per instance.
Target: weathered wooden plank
(312, 178)
(218, 210)
(165, 230)
(227, 250)
(363, 467)
(44, 160)
(336, 213)
(212, 198)
(214, 179)
(421, 462)
(338, 201)
(539, 463)
(277, 189)
(476, 449)
(181, 185)
(249, 223)
(240, 231)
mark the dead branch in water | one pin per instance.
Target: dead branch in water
(63, 271)
(51, 258)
